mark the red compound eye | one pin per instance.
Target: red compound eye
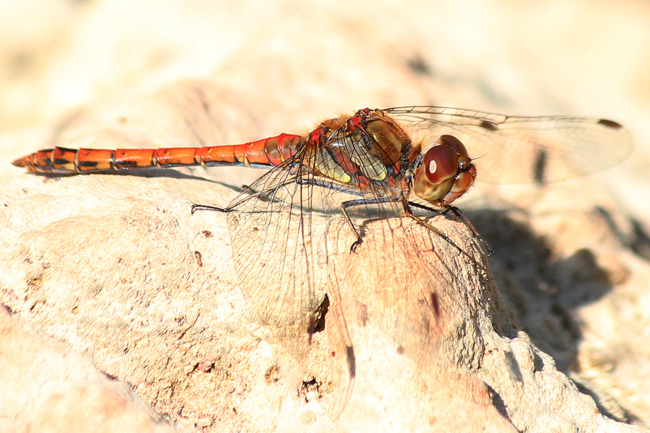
(446, 172)
(454, 143)
(440, 163)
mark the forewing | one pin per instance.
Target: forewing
(516, 149)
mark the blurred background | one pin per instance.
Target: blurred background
(285, 65)
(293, 63)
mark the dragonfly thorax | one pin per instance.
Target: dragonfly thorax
(391, 141)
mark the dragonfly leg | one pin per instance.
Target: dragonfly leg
(262, 195)
(329, 185)
(429, 208)
(362, 202)
(469, 225)
(433, 229)
(196, 207)
(461, 217)
(358, 242)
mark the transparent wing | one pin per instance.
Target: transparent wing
(279, 227)
(273, 241)
(415, 287)
(282, 227)
(271, 229)
(516, 149)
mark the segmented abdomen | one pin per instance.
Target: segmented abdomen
(266, 152)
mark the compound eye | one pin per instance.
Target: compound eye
(440, 163)
(454, 143)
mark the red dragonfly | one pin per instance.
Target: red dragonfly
(364, 166)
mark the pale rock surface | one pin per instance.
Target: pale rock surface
(48, 387)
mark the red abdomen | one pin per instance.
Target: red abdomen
(266, 152)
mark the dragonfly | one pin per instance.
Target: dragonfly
(401, 162)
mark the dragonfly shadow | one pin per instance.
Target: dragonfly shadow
(141, 172)
(155, 172)
(638, 240)
(537, 285)
(541, 291)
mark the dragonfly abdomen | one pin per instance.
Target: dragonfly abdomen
(270, 151)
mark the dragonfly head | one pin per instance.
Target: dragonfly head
(445, 172)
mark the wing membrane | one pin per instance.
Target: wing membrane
(517, 149)
(279, 228)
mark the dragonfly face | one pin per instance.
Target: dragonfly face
(444, 173)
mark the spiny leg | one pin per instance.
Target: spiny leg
(470, 226)
(196, 207)
(424, 223)
(460, 216)
(407, 212)
(362, 202)
(264, 195)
